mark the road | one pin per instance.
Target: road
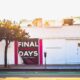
(39, 73)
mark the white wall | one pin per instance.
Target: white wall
(61, 51)
(65, 50)
(58, 37)
(10, 53)
(55, 49)
(2, 46)
(72, 52)
(59, 32)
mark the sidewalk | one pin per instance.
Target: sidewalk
(41, 67)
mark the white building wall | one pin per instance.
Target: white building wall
(10, 53)
(55, 49)
(10, 56)
(2, 46)
(72, 52)
(61, 51)
(57, 38)
(57, 32)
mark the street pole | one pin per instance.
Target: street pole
(45, 55)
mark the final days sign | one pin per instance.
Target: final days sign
(28, 51)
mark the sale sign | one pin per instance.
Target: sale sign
(28, 51)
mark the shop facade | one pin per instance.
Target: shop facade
(62, 46)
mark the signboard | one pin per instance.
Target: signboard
(28, 51)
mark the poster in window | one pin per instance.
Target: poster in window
(28, 51)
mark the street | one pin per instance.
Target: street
(39, 74)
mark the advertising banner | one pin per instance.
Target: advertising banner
(28, 51)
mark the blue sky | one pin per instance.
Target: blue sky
(30, 9)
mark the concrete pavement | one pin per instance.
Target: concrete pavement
(41, 67)
(40, 71)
